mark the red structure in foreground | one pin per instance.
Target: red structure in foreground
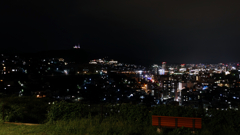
(176, 122)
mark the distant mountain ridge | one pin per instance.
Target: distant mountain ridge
(82, 55)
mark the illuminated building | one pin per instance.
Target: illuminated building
(164, 65)
(182, 65)
(113, 62)
(97, 61)
(92, 62)
(182, 69)
(76, 46)
(161, 71)
(155, 69)
(61, 59)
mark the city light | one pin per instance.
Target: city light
(66, 72)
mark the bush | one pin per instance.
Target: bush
(23, 109)
(114, 118)
(66, 111)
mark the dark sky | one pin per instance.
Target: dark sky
(150, 31)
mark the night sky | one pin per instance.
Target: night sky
(147, 31)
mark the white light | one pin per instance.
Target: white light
(66, 72)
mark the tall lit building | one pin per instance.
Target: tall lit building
(155, 69)
(164, 65)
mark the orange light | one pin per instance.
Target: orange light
(1, 80)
